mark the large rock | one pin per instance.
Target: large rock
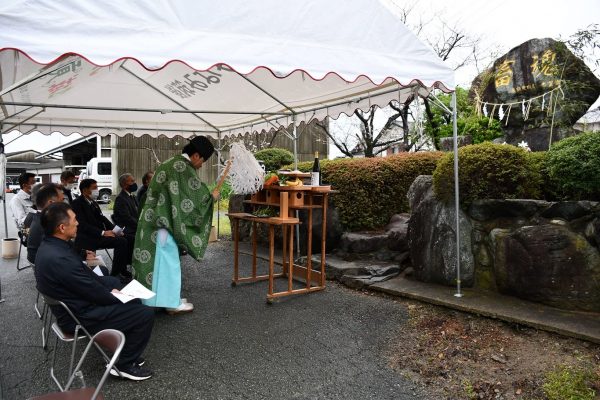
(571, 210)
(363, 242)
(397, 231)
(432, 237)
(334, 229)
(484, 210)
(549, 264)
(530, 70)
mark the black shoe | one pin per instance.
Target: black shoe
(140, 361)
(133, 372)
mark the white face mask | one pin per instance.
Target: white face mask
(95, 194)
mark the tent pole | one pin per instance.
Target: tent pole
(295, 141)
(456, 196)
(4, 188)
(219, 174)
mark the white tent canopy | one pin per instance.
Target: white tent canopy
(220, 68)
(216, 68)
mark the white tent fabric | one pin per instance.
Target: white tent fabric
(177, 67)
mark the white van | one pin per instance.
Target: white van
(100, 170)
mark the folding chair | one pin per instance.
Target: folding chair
(79, 333)
(113, 341)
(23, 233)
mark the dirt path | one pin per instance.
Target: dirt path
(462, 356)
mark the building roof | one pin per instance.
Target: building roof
(67, 145)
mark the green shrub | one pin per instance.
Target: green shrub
(574, 165)
(539, 162)
(568, 383)
(371, 190)
(487, 171)
(274, 158)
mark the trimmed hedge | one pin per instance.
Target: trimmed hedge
(274, 158)
(371, 190)
(488, 171)
(573, 166)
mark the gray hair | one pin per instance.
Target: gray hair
(123, 178)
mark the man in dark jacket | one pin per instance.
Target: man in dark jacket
(141, 194)
(96, 231)
(67, 181)
(126, 205)
(61, 275)
(46, 195)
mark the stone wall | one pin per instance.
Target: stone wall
(541, 251)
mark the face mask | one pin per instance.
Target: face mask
(95, 194)
(132, 188)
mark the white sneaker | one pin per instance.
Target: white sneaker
(183, 308)
(184, 300)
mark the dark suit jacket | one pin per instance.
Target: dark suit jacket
(91, 223)
(126, 212)
(68, 195)
(60, 274)
(140, 193)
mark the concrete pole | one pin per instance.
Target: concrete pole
(456, 194)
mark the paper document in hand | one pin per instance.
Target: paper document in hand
(117, 230)
(134, 290)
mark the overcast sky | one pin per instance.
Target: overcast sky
(502, 25)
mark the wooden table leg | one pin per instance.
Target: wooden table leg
(254, 240)
(291, 258)
(271, 258)
(236, 249)
(309, 245)
(284, 249)
(323, 238)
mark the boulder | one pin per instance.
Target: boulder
(570, 210)
(549, 264)
(334, 228)
(488, 209)
(363, 242)
(397, 231)
(432, 237)
(532, 70)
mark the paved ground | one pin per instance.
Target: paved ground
(327, 345)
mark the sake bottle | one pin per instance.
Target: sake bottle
(316, 172)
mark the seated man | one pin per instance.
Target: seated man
(126, 205)
(46, 195)
(67, 181)
(21, 204)
(61, 274)
(95, 230)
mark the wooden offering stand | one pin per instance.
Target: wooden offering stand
(287, 199)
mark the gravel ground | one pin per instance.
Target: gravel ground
(331, 344)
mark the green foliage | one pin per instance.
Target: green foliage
(274, 158)
(371, 190)
(568, 383)
(487, 171)
(573, 164)
(467, 122)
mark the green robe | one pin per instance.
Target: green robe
(178, 201)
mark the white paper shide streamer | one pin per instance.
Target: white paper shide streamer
(246, 176)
